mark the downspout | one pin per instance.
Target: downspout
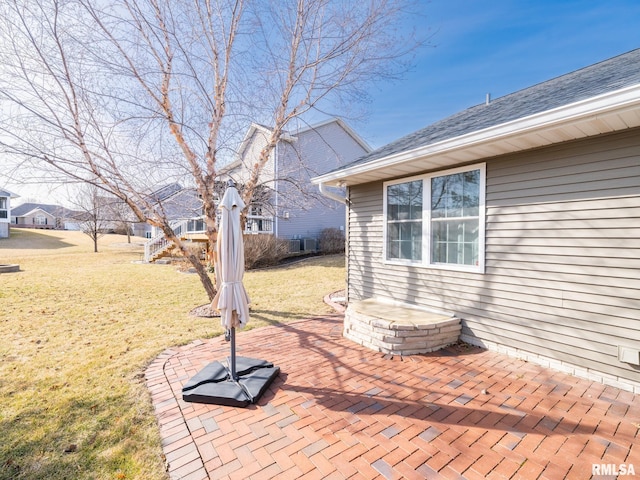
(344, 200)
(275, 174)
(332, 195)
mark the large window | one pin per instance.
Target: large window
(437, 220)
(3, 207)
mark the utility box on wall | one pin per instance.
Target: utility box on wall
(629, 355)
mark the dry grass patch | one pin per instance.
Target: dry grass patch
(79, 328)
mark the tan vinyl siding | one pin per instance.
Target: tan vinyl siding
(562, 272)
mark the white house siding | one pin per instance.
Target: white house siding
(314, 152)
(250, 155)
(562, 276)
(4, 222)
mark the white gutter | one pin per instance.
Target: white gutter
(589, 109)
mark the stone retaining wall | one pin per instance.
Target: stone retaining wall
(400, 337)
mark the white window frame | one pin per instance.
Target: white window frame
(426, 261)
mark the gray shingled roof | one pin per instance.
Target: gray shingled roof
(54, 210)
(607, 76)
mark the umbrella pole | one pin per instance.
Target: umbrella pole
(232, 360)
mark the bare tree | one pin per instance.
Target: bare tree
(127, 94)
(91, 214)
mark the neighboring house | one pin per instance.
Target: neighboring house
(5, 212)
(291, 206)
(286, 204)
(178, 202)
(183, 208)
(520, 216)
(40, 215)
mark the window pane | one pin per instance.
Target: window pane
(411, 238)
(404, 241)
(393, 243)
(455, 202)
(455, 242)
(456, 195)
(404, 221)
(471, 193)
(404, 201)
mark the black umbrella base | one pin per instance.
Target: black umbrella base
(213, 384)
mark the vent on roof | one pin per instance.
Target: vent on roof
(487, 99)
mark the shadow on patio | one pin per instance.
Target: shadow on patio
(338, 410)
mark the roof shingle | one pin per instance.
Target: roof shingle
(606, 76)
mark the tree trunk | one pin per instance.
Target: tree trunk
(204, 276)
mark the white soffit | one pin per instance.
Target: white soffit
(610, 112)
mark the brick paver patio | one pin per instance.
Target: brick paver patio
(338, 411)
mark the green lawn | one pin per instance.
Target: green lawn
(78, 328)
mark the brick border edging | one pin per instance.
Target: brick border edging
(336, 306)
(168, 411)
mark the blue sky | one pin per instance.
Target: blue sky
(496, 47)
(479, 47)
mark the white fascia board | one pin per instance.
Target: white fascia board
(591, 108)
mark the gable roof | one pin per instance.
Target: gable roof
(600, 98)
(7, 193)
(246, 141)
(291, 137)
(359, 140)
(53, 210)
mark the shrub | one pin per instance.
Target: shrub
(263, 250)
(196, 248)
(331, 240)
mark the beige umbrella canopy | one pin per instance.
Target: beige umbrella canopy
(231, 300)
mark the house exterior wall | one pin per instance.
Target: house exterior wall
(314, 152)
(562, 269)
(30, 221)
(5, 215)
(250, 155)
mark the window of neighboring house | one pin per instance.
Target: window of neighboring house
(437, 220)
(3, 207)
(255, 210)
(40, 220)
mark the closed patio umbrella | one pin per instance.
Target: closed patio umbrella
(216, 383)
(231, 299)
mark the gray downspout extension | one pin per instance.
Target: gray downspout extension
(345, 201)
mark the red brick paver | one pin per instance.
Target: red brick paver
(339, 411)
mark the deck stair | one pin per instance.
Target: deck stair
(193, 229)
(159, 246)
